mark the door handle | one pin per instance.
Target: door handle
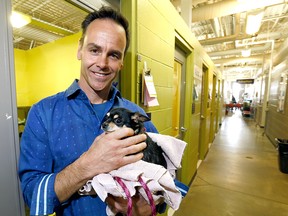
(183, 129)
(202, 117)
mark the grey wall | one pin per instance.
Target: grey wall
(10, 197)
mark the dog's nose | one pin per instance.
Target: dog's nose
(104, 126)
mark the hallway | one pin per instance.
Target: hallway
(240, 175)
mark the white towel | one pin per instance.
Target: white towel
(155, 176)
(173, 149)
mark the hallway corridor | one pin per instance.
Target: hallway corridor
(240, 175)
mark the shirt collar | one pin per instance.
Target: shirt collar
(74, 90)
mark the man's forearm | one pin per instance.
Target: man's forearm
(69, 181)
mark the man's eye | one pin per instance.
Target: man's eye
(94, 51)
(115, 56)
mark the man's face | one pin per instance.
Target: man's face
(101, 54)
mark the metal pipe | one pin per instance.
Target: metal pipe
(228, 7)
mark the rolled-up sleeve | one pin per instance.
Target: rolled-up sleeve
(36, 166)
(44, 199)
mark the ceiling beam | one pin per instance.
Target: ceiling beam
(228, 7)
(238, 51)
(51, 27)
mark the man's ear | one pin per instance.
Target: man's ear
(138, 117)
(79, 51)
(121, 66)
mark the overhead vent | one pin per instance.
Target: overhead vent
(91, 5)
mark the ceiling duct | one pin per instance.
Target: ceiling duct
(238, 36)
(92, 5)
(258, 59)
(238, 51)
(228, 7)
(282, 53)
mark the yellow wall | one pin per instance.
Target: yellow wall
(22, 86)
(46, 70)
(156, 39)
(159, 28)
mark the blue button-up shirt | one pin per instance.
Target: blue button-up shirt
(58, 130)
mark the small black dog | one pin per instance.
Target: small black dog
(121, 117)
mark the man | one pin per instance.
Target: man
(63, 146)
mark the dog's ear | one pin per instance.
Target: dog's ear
(138, 117)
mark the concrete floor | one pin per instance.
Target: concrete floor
(240, 175)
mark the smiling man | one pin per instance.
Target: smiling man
(63, 146)
(101, 52)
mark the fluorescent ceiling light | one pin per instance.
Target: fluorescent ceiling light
(246, 52)
(253, 22)
(19, 20)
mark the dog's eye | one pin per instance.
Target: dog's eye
(118, 121)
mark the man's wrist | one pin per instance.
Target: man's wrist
(69, 180)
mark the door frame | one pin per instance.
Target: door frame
(213, 109)
(11, 202)
(205, 105)
(180, 56)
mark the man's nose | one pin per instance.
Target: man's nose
(102, 61)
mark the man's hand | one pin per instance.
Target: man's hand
(113, 150)
(119, 205)
(108, 152)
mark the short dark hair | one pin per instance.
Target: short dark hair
(106, 13)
